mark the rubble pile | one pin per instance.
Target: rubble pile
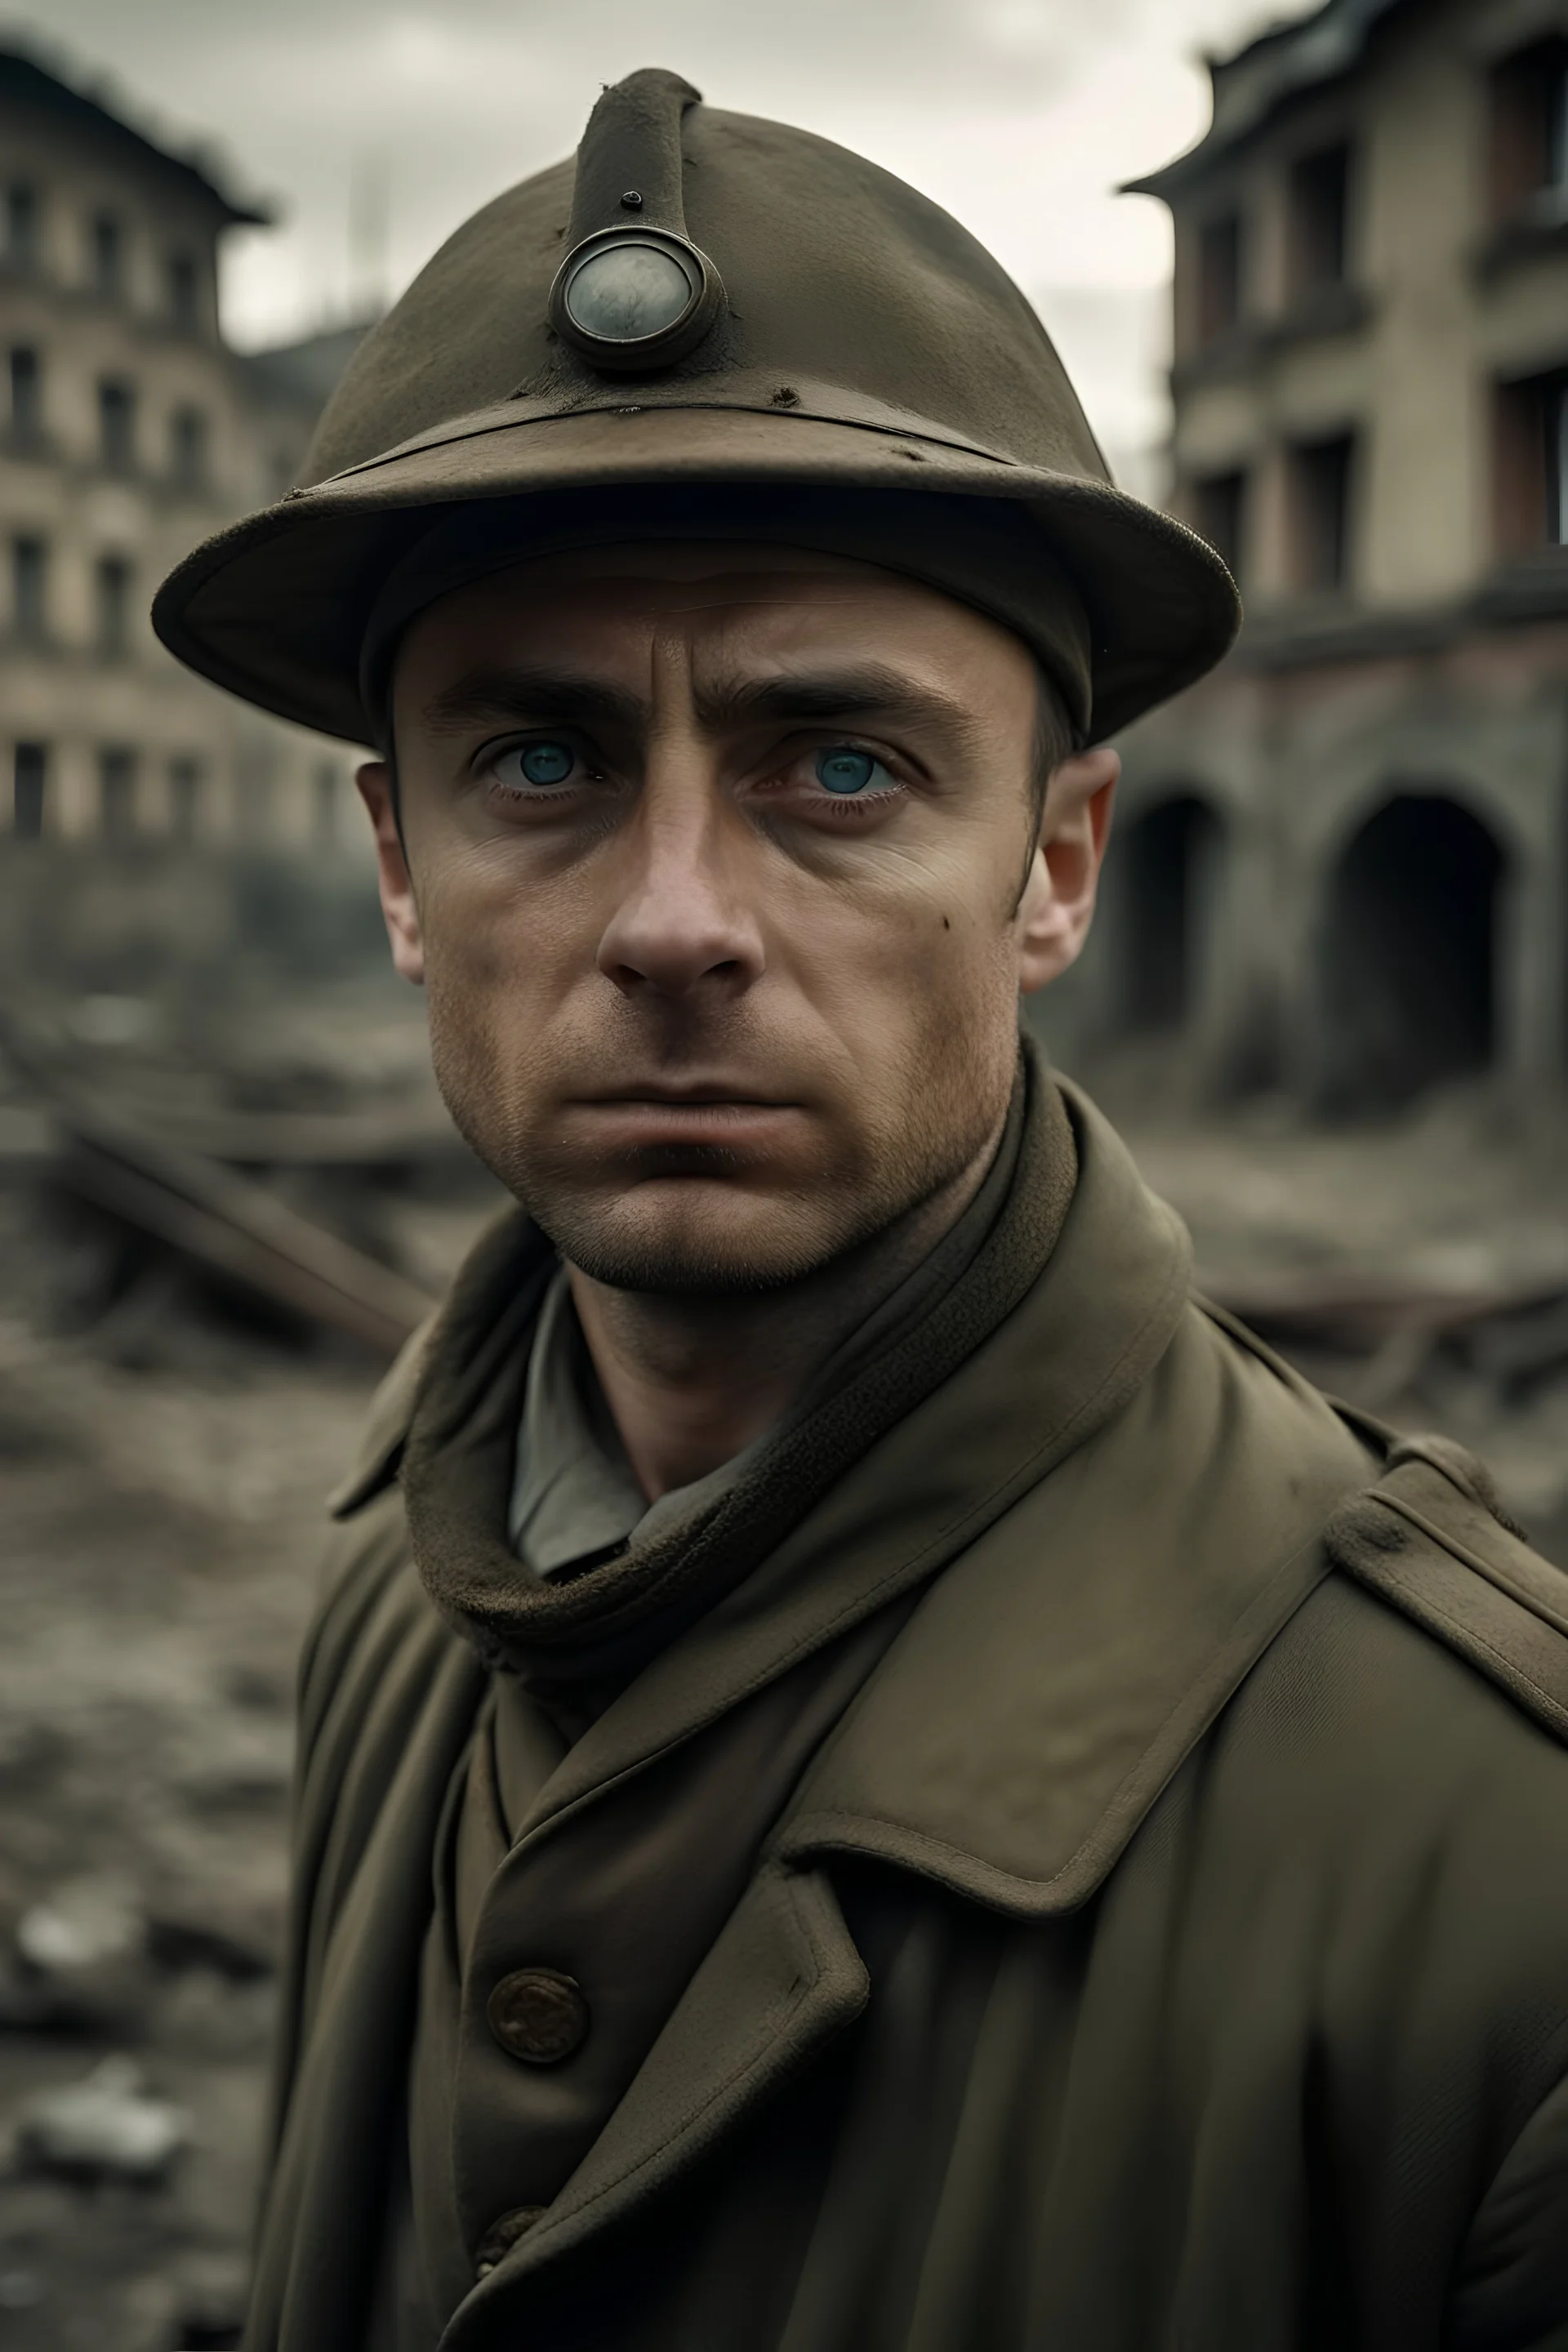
(162, 1535)
(171, 1417)
(1416, 1266)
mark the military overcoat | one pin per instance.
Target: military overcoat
(1161, 1943)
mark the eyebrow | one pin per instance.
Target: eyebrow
(868, 691)
(485, 696)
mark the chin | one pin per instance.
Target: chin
(702, 1222)
(695, 1240)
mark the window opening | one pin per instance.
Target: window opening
(184, 798)
(1219, 276)
(1322, 486)
(113, 589)
(117, 425)
(1530, 464)
(29, 589)
(108, 239)
(29, 782)
(185, 291)
(1319, 220)
(1530, 133)
(22, 225)
(117, 794)
(188, 448)
(27, 392)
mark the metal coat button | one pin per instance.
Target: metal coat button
(538, 2015)
(503, 2236)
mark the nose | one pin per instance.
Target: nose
(683, 923)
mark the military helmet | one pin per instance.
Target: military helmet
(706, 309)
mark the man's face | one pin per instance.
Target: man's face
(714, 858)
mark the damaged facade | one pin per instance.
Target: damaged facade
(1343, 862)
(130, 430)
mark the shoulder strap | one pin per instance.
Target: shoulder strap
(1432, 1539)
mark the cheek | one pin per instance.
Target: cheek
(918, 986)
(925, 941)
(492, 938)
(495, 966)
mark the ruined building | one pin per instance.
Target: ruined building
(129, 430)
(1344, 866)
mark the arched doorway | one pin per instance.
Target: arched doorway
(1169, 857)
(1407, 953)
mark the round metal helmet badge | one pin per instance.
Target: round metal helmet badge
(634, 298)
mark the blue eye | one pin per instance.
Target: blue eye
(845, 770)
(547, 764)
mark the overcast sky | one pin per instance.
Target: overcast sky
(376, 128)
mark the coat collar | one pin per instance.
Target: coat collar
(1107, 1619)
(386, 1430)
(1063, 1363)
(1123, 1496)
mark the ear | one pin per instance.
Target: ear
(1057, 905)
(397, 905)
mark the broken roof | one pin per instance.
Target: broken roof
(30, 78)
(1255, 84)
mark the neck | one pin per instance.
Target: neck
(691, 1381)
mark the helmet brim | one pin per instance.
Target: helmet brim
(274, 609)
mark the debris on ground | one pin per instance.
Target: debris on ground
(106, 2127)
(79, 1957)
(1418, 1268)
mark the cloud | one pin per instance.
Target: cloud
(1019, 115)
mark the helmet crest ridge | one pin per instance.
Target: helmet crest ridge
(634, 297)
(632, 142)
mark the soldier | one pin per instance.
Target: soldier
(873, 1774)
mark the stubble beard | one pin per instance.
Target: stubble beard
(723, 1228)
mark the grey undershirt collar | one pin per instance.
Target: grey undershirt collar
(575, 1495)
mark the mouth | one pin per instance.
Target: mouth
(684, 1095)
(639, 1116)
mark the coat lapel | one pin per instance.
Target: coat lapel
(1107, 1619)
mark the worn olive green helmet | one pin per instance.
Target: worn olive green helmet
(725, 317)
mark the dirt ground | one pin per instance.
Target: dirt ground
(160, 1534)
(1465, 1193)
(160, 1497)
